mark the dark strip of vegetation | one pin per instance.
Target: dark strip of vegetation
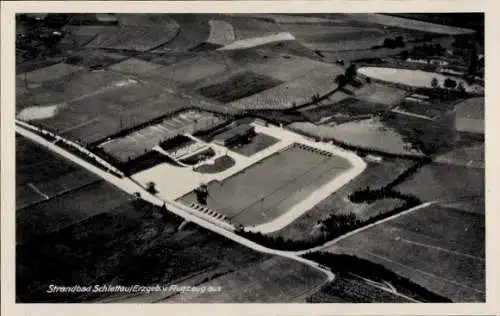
(332, 227)
(346, 265)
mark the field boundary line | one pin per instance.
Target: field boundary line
(457, 253)
(356, 231)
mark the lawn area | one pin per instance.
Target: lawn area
(259, 142)
(439, 248)
(269, 188)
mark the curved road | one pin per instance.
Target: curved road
(128, 185)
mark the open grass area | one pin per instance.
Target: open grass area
(269, 188)
(239, 86)
(439, 248)
(375, 176)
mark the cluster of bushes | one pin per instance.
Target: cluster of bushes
(391, 43)
(424, 50)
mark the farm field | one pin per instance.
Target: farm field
(135, 66)
(239, 86)
(245, 27)
(103, 105)
(464, 156)
(136, 36)
(66, 209)
(138, 244)
(410, 24)
(50, 73)
(367, 133)
(470, 116)
(276, 280)
(67, 88)
(194, 69)
(94, 57)
(375, 176)
(271, 186)
(221, 33)
(193, 29)
(298, 91)
(41, 175)
(439, 248)
(445, 182)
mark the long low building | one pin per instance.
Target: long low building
(235, 135)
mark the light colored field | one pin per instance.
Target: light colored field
(413, 78)
(258, 41)
(50, 73)
(37, 112)
(439, 248)
(368, 133)
(276, 280)
(194, 69)
(221, 32)
(136, 66)
(298, 91)
(410, 24)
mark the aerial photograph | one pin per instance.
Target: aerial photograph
(250, 158)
